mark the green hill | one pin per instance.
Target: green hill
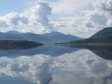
(103, 34)
(21, 44)
(101, 38)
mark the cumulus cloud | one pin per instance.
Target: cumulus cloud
(69, 7)
(104, 5)
(43, 12)
(12, 20)
(40, 14)
(36, 16)
(95, 19)
(79, 17)
(100, 16)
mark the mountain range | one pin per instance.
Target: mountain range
(46, 38)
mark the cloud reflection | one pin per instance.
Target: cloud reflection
(65, 69)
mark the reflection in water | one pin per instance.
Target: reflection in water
(46, 50)
(68, 67)
(102, 51)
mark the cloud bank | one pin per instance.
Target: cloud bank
(35, 18)
(100, 16)
(82, 17)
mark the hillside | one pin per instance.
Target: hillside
(22, 44)
(101, 38)
(14, 35)
(105, 33)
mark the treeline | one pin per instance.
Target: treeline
(18, 44)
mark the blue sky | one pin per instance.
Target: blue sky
(7, 6)
(76, 17)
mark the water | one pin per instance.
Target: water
(56, 65)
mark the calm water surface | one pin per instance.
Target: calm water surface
(56, 65)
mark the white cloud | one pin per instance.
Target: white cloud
(100, 16)
(40, 18)
(87, 16)
(69, 6)
(34, 19)
(104, 5)
(94, 19)
(67, 16)
(12, 20)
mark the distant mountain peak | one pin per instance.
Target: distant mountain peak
(60, 37)
(13, 32)
(54, 32)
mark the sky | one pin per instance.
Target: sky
(77, 17)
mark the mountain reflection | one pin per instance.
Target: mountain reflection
(103, 52)
(45, 50)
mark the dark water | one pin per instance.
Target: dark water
(56, 65)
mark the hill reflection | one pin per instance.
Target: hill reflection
(104, 52)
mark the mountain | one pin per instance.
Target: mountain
(13, 32)
(46, 38)
(101, 38)
(14, 35)
(7, 36)
(60, 37)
